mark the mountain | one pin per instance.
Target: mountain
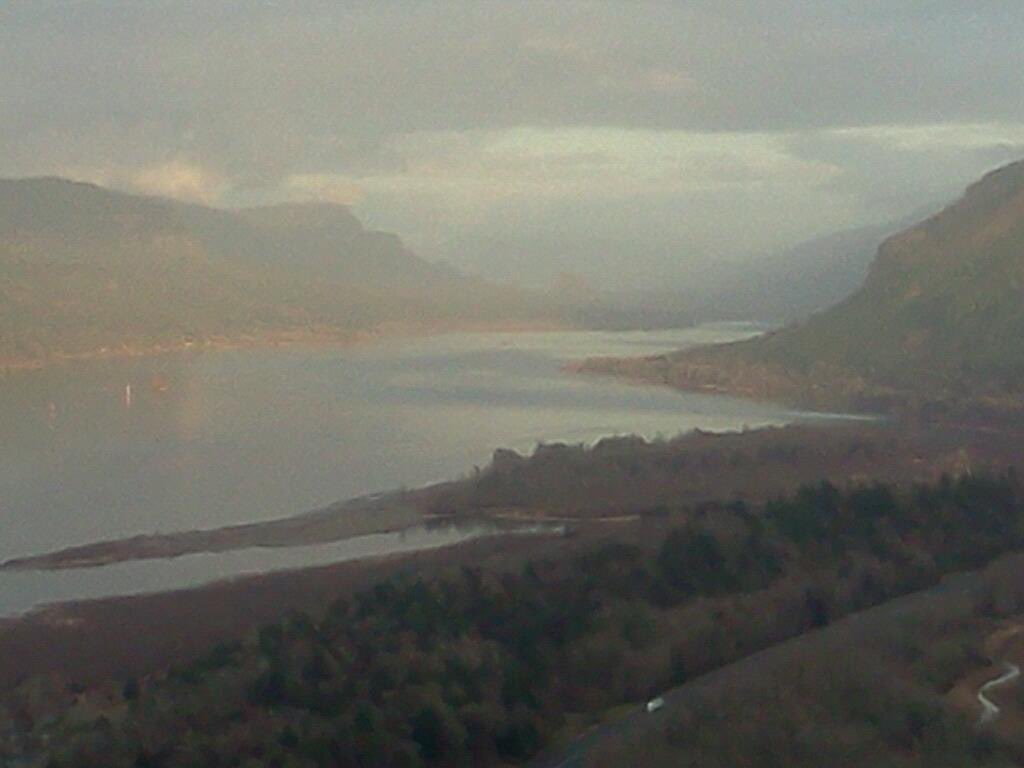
(84, 268)
(940, 316)
(793, 283)
(943, 302)
(633, 284)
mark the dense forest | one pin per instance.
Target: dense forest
(488, 668)
(878, 699)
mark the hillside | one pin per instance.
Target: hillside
(791, 284)
(83, 268)
(495, 664)
(939, 317)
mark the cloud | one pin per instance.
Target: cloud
(175, 179)
(180, 181)
(308, 87)
(888, 171)
(323, 188)
(935, 137)
(707, 126)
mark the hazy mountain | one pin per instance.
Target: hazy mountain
(943, 301)
(793, 283)
(83, 267)
(940, 315)
(626, 289)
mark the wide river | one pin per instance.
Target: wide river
(212, 438)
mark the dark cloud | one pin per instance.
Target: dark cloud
(256, 93)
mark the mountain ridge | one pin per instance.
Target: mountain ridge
(939, 318)
(84, 268)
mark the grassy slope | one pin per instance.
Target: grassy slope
(945, 299)
(940, 316)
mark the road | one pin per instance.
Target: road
(989, 709)
(954, 596)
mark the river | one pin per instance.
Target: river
(212, 438)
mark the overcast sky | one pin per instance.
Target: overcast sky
(631, 141)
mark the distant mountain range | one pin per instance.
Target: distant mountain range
(793, 283)
(944, 300)
(632, 284)
(84, 268)
(939, 316)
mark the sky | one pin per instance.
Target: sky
(635, 143)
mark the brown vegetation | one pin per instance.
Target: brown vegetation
(616, 478)
(481, 666)
(935, 327)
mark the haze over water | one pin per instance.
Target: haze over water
(216, 438)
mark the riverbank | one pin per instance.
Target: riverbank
(359, 517)
(752, 615)
(299, 337)
(222, 440)
(616, 479)
(715, 370)
(124, 637)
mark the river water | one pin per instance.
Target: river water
(212, 438)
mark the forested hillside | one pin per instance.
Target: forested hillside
(482, 668)
(939, 317)
(83, 269)
(944, 300)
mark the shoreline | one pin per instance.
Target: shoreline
(315, 338)
(699, 371)
(516, 489)
(688, 372)
(351, 519)
(130, 635)
(26, 593)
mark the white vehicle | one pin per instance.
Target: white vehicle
(655, 704)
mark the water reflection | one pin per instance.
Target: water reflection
(224, 437)
(21, 591)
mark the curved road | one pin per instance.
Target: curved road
(954, 596)
(989, 709)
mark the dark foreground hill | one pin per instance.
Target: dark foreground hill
(83, 268)
(474, 666)
(939, 317)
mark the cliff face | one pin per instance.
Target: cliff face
(940, 316)
(943, 304)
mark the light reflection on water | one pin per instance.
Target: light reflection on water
(21, 591)
(218, 438)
